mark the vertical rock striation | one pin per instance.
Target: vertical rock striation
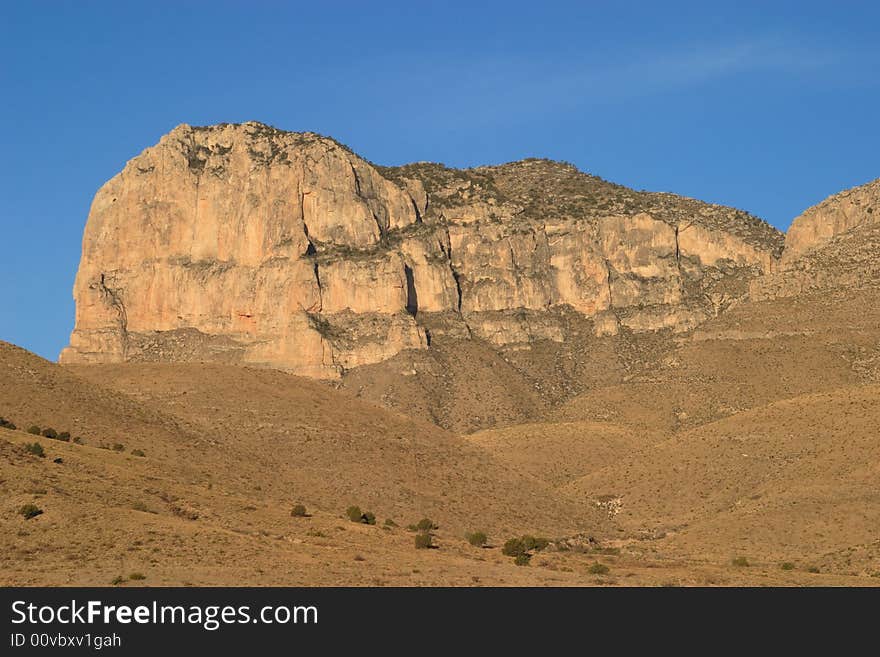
(243, 243)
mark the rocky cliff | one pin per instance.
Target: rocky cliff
(833, 216)
(243, 243)
(831, 245)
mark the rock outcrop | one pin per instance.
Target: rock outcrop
(243, 243)
(833, 216)
(833, 244)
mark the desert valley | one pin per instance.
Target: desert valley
(519, 374)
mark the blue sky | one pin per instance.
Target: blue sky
(765, 106)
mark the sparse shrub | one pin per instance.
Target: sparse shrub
(740, 562)
(118, 447)
(424, 540)
(355, 514)
(65, 436)
(50, 433)
(813, 569)
(537, 544)
(524, 544)
(598, 569)
(6, 424)
(425, 525)
(513, 547)
(136, 577)
(477, 539)
(34, 429)
(29, 511)
(138, 452)
(36, 449)
(523, 559)
(78, 440)
(787, 565)
(390, 523)
(298, 511)
(116, 581)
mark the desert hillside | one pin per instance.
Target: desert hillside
(639, 388)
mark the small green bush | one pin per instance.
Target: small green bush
(513, 547)
(369, 518)
(118, 447)
(740, 562)
(136, 577)
(390, 523)
(423, 541)
(138, 452)
(598, 569)
(477, 539)
(516, 546)
(29, 511)
(537, 544)
(298, 511)
(116, 581)
(78, 440)
(813, 569)
(522, 559)
(36, 449)
(65, 436)
(425, 525)
(6, 424)
(34, 429)
(787, 565)
(50, 433)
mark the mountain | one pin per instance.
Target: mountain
(246, 244)
(704, 422)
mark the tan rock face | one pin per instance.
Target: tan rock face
(247, 244)
(833, 216)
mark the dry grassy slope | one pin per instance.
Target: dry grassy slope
(796, 479)
(468, 385)
(82, 538)
(460, 385)
(297, 439)
(237, 447)
(90, 532)
(35, 391)
(559, 453)
(756, 353)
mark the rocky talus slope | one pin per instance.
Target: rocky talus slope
(247, 244)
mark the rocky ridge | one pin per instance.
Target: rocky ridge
(243, 243)
(833, 244)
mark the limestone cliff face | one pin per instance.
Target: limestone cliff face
(831, 245)
(833, 216)
(247, 244)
